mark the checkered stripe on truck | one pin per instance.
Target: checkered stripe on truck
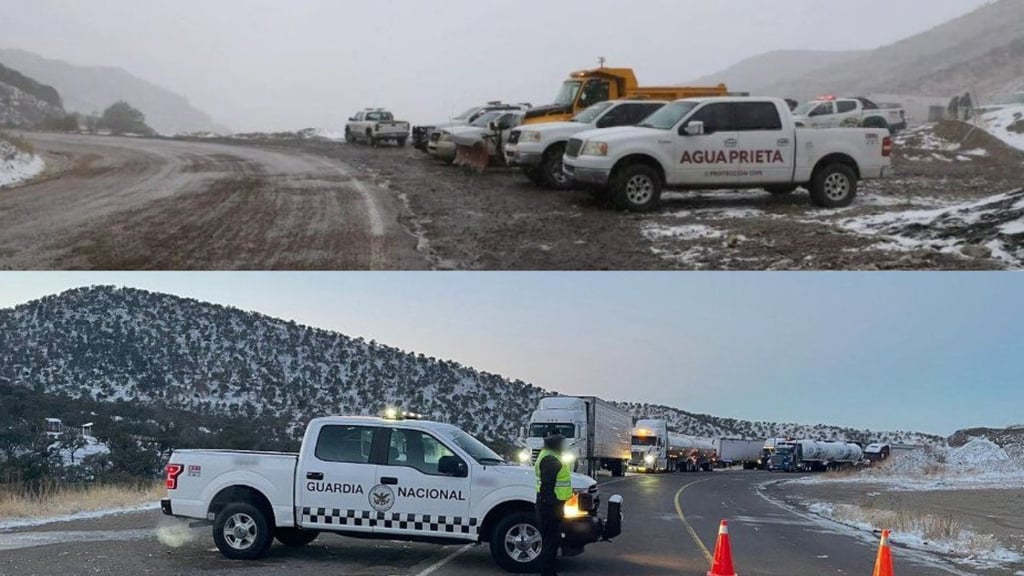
(365, 518)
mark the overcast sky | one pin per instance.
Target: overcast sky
(926, 352)
(276, 64)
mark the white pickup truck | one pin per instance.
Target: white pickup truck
(726, 143)
(386, 478)
(829, 112)
(538, 149)
(375, 125)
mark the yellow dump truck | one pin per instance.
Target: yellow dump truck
(588, 87)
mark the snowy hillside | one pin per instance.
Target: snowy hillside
(1007, 124)
(122, 344)
(17, 165)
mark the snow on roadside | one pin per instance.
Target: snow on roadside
(978, 464)
(17, 166)
(993, 225)
(91, 515)
(1007, 124)
(925, 533)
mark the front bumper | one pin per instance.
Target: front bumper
(516, 156)
(421, 136)
(589, 529)
(585, 174)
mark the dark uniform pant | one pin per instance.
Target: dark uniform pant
(550, 516)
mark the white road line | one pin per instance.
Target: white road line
(442, 562)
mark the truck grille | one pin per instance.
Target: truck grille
(513, 138)
(574, 147)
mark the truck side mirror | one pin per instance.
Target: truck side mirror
(694, 128)
(494, 126)
(452, 466)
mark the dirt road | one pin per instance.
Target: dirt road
(277, 203)
(122, 203)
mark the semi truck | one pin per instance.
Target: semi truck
(738, 452)
(767, 451)
(597, 433)
(386, 478)
(585, 88)
(813, 456)
(650, 450)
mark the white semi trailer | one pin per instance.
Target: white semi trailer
(597, 433)
(738, 452)
(810, 455)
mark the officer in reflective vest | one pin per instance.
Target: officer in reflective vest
(554, 489)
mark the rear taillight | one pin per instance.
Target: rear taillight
(173, 471)
(887, 147)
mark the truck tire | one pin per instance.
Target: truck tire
(516, 543)
(618, 469)
(780, 190)
(876, 122)
(370, 139)
(636, 188)
(242, 532)
(348, 136)
(834, 186)
(551, 169)
(535, 175)
(295, 537)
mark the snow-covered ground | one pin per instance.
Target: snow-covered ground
(926, 533)
(17, 166)
(1007, 124)
(978, 464)
(994, 225)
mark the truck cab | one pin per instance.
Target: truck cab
(596, 433)
(386, 478)
(650, 448)
(832, 112)
(585, 88)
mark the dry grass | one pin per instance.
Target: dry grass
(944, 530)
(16, 504)
(18, 142)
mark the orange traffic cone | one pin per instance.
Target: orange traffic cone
(722, 565)
(883, 566)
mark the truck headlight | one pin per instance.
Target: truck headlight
(445, 137)
(572, 508)
(568, 459)
(525, 456)
(594, 148)
(530, 136)
(649, 459)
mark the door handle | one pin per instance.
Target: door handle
(731, 143)
(314, 476)
(388, 481)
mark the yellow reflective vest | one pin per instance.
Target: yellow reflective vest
(563, 485)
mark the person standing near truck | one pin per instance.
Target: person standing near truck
(554, 489)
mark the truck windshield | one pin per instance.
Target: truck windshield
(805, 108)
(541, 430)
(645, 440)
(475, 448)
(591, 114)
(467, 114)
(486, 119)
(669, 116)
(567, 95)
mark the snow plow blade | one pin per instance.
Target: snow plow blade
(476, 156)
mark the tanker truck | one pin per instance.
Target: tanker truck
(738, 452)
(812, 456)
(692, 454)
(597, 434)
(650, 451)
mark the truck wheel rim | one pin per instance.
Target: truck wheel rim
(837, 186)
(639, 189)
(240, 531)
(523, 543)
(558, 173)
